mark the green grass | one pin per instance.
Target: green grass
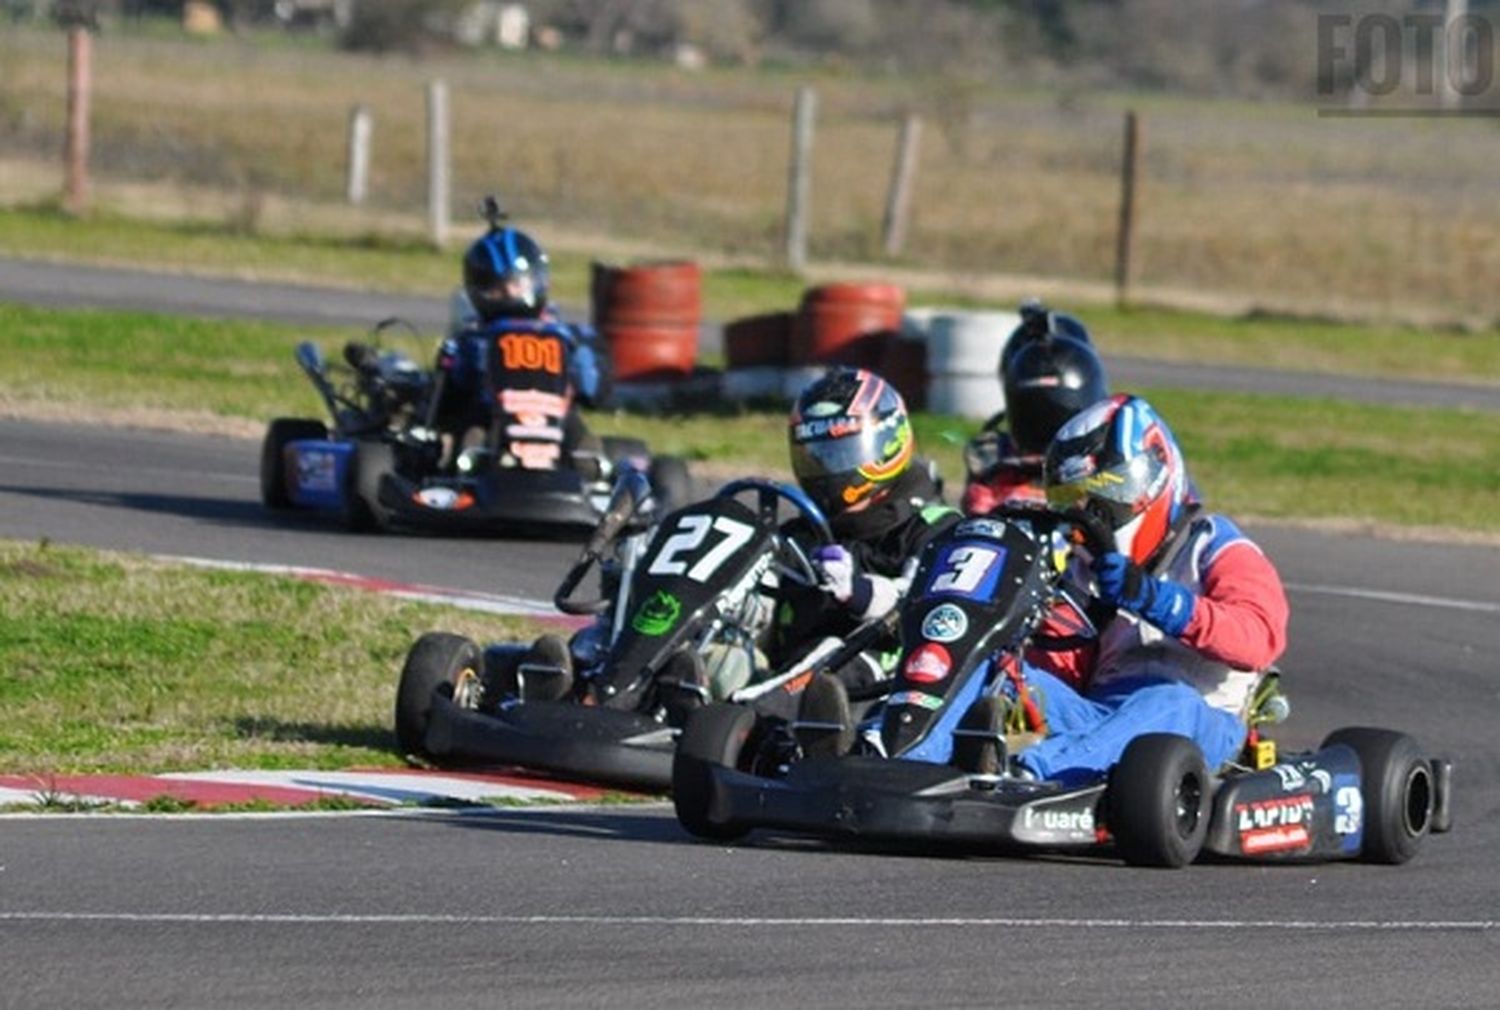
(115, 662)
(730, 292)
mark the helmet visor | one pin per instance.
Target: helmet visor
(1118, 492)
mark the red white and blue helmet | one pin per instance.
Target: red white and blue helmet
(851, 439)
(1118, 460)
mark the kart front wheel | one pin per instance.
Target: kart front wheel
(275, 491)
(1159, 801)
(714, 737)
(439, 664)
(1397, 791)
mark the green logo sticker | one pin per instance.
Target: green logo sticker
(657, 614)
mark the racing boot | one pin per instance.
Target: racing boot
(979, 741)
(824, 726)
(682, 685)
(545, 672)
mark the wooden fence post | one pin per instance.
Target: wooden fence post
(360, 126)
(1125, 240)
(437, 162)
(799, 181)
(898, 201)
(76, 145)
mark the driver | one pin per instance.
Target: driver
(852, 451)
(505, 286)
(1049, 372)
(1198, 610)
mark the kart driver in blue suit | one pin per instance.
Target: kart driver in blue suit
(1194, 612)
(505, 282)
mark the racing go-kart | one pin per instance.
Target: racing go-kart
(384, 463)
(930, 766)
(606, 706)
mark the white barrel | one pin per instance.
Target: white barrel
(963, 361)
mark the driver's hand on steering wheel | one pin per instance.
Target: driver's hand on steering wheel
(836, 571)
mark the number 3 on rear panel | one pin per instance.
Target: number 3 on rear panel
(692, 530)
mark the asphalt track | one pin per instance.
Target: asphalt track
(595, 906)
(588, 907)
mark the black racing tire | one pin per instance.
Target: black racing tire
(1160, 801)
(370, 461)
(618, 448)
(439, 663)
(670, 483)
(1397, 788)
(715, 736)
(274, 489)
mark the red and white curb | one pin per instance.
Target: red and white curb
(375, 788)
(490, 603)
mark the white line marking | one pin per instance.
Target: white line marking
(1409, 599)
(235, 918)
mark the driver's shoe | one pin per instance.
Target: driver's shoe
(979, 741)
(824, 726)
(545, 672)
(682, 685)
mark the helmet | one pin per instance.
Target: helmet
(1117, 460)
(1048, 381)
(1038, 321)
(851, 439)
(505, 275)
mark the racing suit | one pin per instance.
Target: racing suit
(885, 541)
(1194, 678)
(999, 474)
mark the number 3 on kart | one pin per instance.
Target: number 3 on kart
(691, 531)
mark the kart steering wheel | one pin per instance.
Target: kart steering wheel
(1091, 531)
(792, 561)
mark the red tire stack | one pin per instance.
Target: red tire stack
(649, 313)
(846, 324)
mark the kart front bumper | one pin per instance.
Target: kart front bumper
(595, 744)
(909, 801)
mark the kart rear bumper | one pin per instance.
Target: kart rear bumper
(597, 744)
(491, 504)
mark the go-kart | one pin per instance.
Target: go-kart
(606, 706)
(385, 463)
(930, 767)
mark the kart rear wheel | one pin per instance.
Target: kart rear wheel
(274, 490)
(670, 483)
(1159, 801)
(439, 664)
(362, 511)
(1397, 789)
(715, 736)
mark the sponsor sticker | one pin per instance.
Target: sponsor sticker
(945, 623)
(918, 698)
(928, 664)
(444, 498)
(657, 614)
(317, 471)
(991, 528)
(1280, 824)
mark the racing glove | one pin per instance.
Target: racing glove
(1162, 602)
(865, 595)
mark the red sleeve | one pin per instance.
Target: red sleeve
(981, 498)
(1241, 615)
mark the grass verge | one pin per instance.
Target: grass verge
(120, 663)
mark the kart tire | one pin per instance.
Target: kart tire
(274, 491)
(617, 448)
(362, 512)
(1159, 801)
(1398, 790)
(670, 483)
(715, 736)
(439, 663)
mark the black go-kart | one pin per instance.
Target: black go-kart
(931, 767)
(676, 601)
(382, 462)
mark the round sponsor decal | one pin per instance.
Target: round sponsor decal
(928, 664)
(438, 497)
(947, 623)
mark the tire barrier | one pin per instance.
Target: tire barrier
(758, 341)
(846, 324)
(649, 314)
(963, 360)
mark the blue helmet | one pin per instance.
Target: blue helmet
(505, 275)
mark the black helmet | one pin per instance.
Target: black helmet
(1048, 381)
(1038, 321)
(851, 439)
(505, 275)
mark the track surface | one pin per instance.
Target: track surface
(588, 907)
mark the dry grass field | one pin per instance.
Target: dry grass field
(1263, 204)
